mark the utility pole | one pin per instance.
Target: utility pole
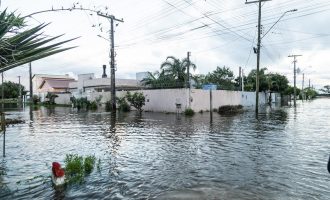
(294, 79)
(309, 83)
(112, 58)
(302, 87)
(240, 78)
(19, 89)
(31, 90)
(242, 81)
(188, 78)
(2, 93)
(258, 51)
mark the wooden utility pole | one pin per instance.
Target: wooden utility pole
(112, 59)
(294, 79)
(258, 51)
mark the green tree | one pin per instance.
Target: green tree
(250, 84)
(11, 90)
(137, 100)
(20, 45)
(277, 82)
(326, 89)
(223, 77)
(199, 80)
(174, 70)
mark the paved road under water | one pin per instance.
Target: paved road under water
(282, 155)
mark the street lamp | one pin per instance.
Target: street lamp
(293, 10)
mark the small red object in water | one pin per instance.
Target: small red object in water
(57, 170)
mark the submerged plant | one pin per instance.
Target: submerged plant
(77, 167)
(89, 163)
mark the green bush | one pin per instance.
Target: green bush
(93, 105)
(123, 105)
(189, 112)
(137, 100)
(108, 106)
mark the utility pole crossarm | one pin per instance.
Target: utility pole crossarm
(255, 1)
(109, 17)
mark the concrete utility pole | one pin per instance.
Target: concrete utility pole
(188, 78)
(19, 89)
(2, 93)
(309, 83)
(240, 78)
(294, 79)
(302, 87)
(112, 58)
(258, 51)
(242, 81)
(31, 90)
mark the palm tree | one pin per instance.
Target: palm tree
(151, 79)
(175, 69)
(20, 47)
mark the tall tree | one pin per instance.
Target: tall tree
(250, 84)
(175, 70)
(20, 45)
(223, 77)
(326, 89)
(11, 90)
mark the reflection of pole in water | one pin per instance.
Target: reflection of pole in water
(211, 106)
(113, 122)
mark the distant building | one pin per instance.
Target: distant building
(88, 83)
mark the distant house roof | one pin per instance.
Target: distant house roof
(52, 76)
(57, 83)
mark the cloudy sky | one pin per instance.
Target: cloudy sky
(216, 32)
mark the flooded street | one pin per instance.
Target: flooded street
(281, 155)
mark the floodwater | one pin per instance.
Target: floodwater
(281, 155)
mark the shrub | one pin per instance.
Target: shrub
(137, 100)
(108, 106)
(123, 105)
(189, 112)
(35, 99)
(230, 109)
(93, 105)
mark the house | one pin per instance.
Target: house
(44, 83)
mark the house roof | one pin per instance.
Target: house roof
(57, 83)
(51, 76)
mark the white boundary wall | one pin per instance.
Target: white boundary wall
(165, 100)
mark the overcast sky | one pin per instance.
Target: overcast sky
(216, 32)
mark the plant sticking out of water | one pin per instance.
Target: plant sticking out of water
(77, 167)
(189, 112)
